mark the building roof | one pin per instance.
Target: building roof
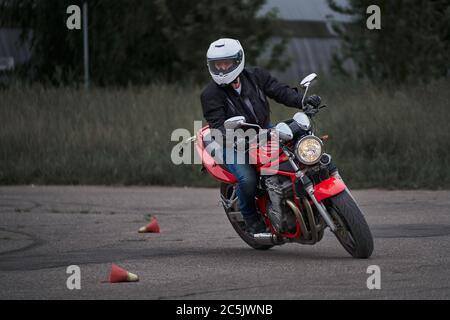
(306, 10)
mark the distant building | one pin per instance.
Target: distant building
(312, 41)
(12, 51)
(307, 23)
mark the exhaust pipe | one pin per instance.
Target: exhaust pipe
(267, 239)
(309, 236)
(301, 221)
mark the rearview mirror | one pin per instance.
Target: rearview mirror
(302, 120)
(284, 131)
(307, 80)
(235, 122)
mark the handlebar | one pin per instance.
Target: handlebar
(311, 111)
(256, 138)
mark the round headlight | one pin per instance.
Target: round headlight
(308, 150)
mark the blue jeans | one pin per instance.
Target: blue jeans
(246, 189)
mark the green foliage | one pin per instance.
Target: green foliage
(412, 45)
(139, 41)
(383, 138)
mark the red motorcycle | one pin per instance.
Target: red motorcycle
(300, 193)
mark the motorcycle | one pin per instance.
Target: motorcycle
(301, 197)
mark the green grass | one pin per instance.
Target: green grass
(378, 137)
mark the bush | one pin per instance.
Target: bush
(378, 137)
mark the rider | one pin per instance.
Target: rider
(239, 91)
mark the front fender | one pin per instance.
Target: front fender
(328, 188)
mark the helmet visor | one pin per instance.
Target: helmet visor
(225, 65)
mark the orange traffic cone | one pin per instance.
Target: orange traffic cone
(152, 227)
(120, 275)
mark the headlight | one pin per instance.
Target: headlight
(308, 150)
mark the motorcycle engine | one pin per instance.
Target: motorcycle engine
(279, 189)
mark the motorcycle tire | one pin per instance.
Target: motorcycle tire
(353, 231)
(239, 226)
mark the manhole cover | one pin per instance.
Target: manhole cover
(410, 230)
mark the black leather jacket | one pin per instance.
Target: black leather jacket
(220, 103)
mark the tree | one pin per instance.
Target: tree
(412, 44)
(137, 42)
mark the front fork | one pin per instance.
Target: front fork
(338, 176)
(309, 188)
(319, 205)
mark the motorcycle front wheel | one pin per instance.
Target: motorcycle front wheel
(226, 190)
(352, 229)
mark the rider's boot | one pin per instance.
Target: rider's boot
(255, 224)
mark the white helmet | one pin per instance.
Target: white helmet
(225, 59)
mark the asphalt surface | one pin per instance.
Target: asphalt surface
(197, 255)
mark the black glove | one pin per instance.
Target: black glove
(313, 100)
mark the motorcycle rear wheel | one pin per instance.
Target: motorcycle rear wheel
(352, 229)
(226, 190)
